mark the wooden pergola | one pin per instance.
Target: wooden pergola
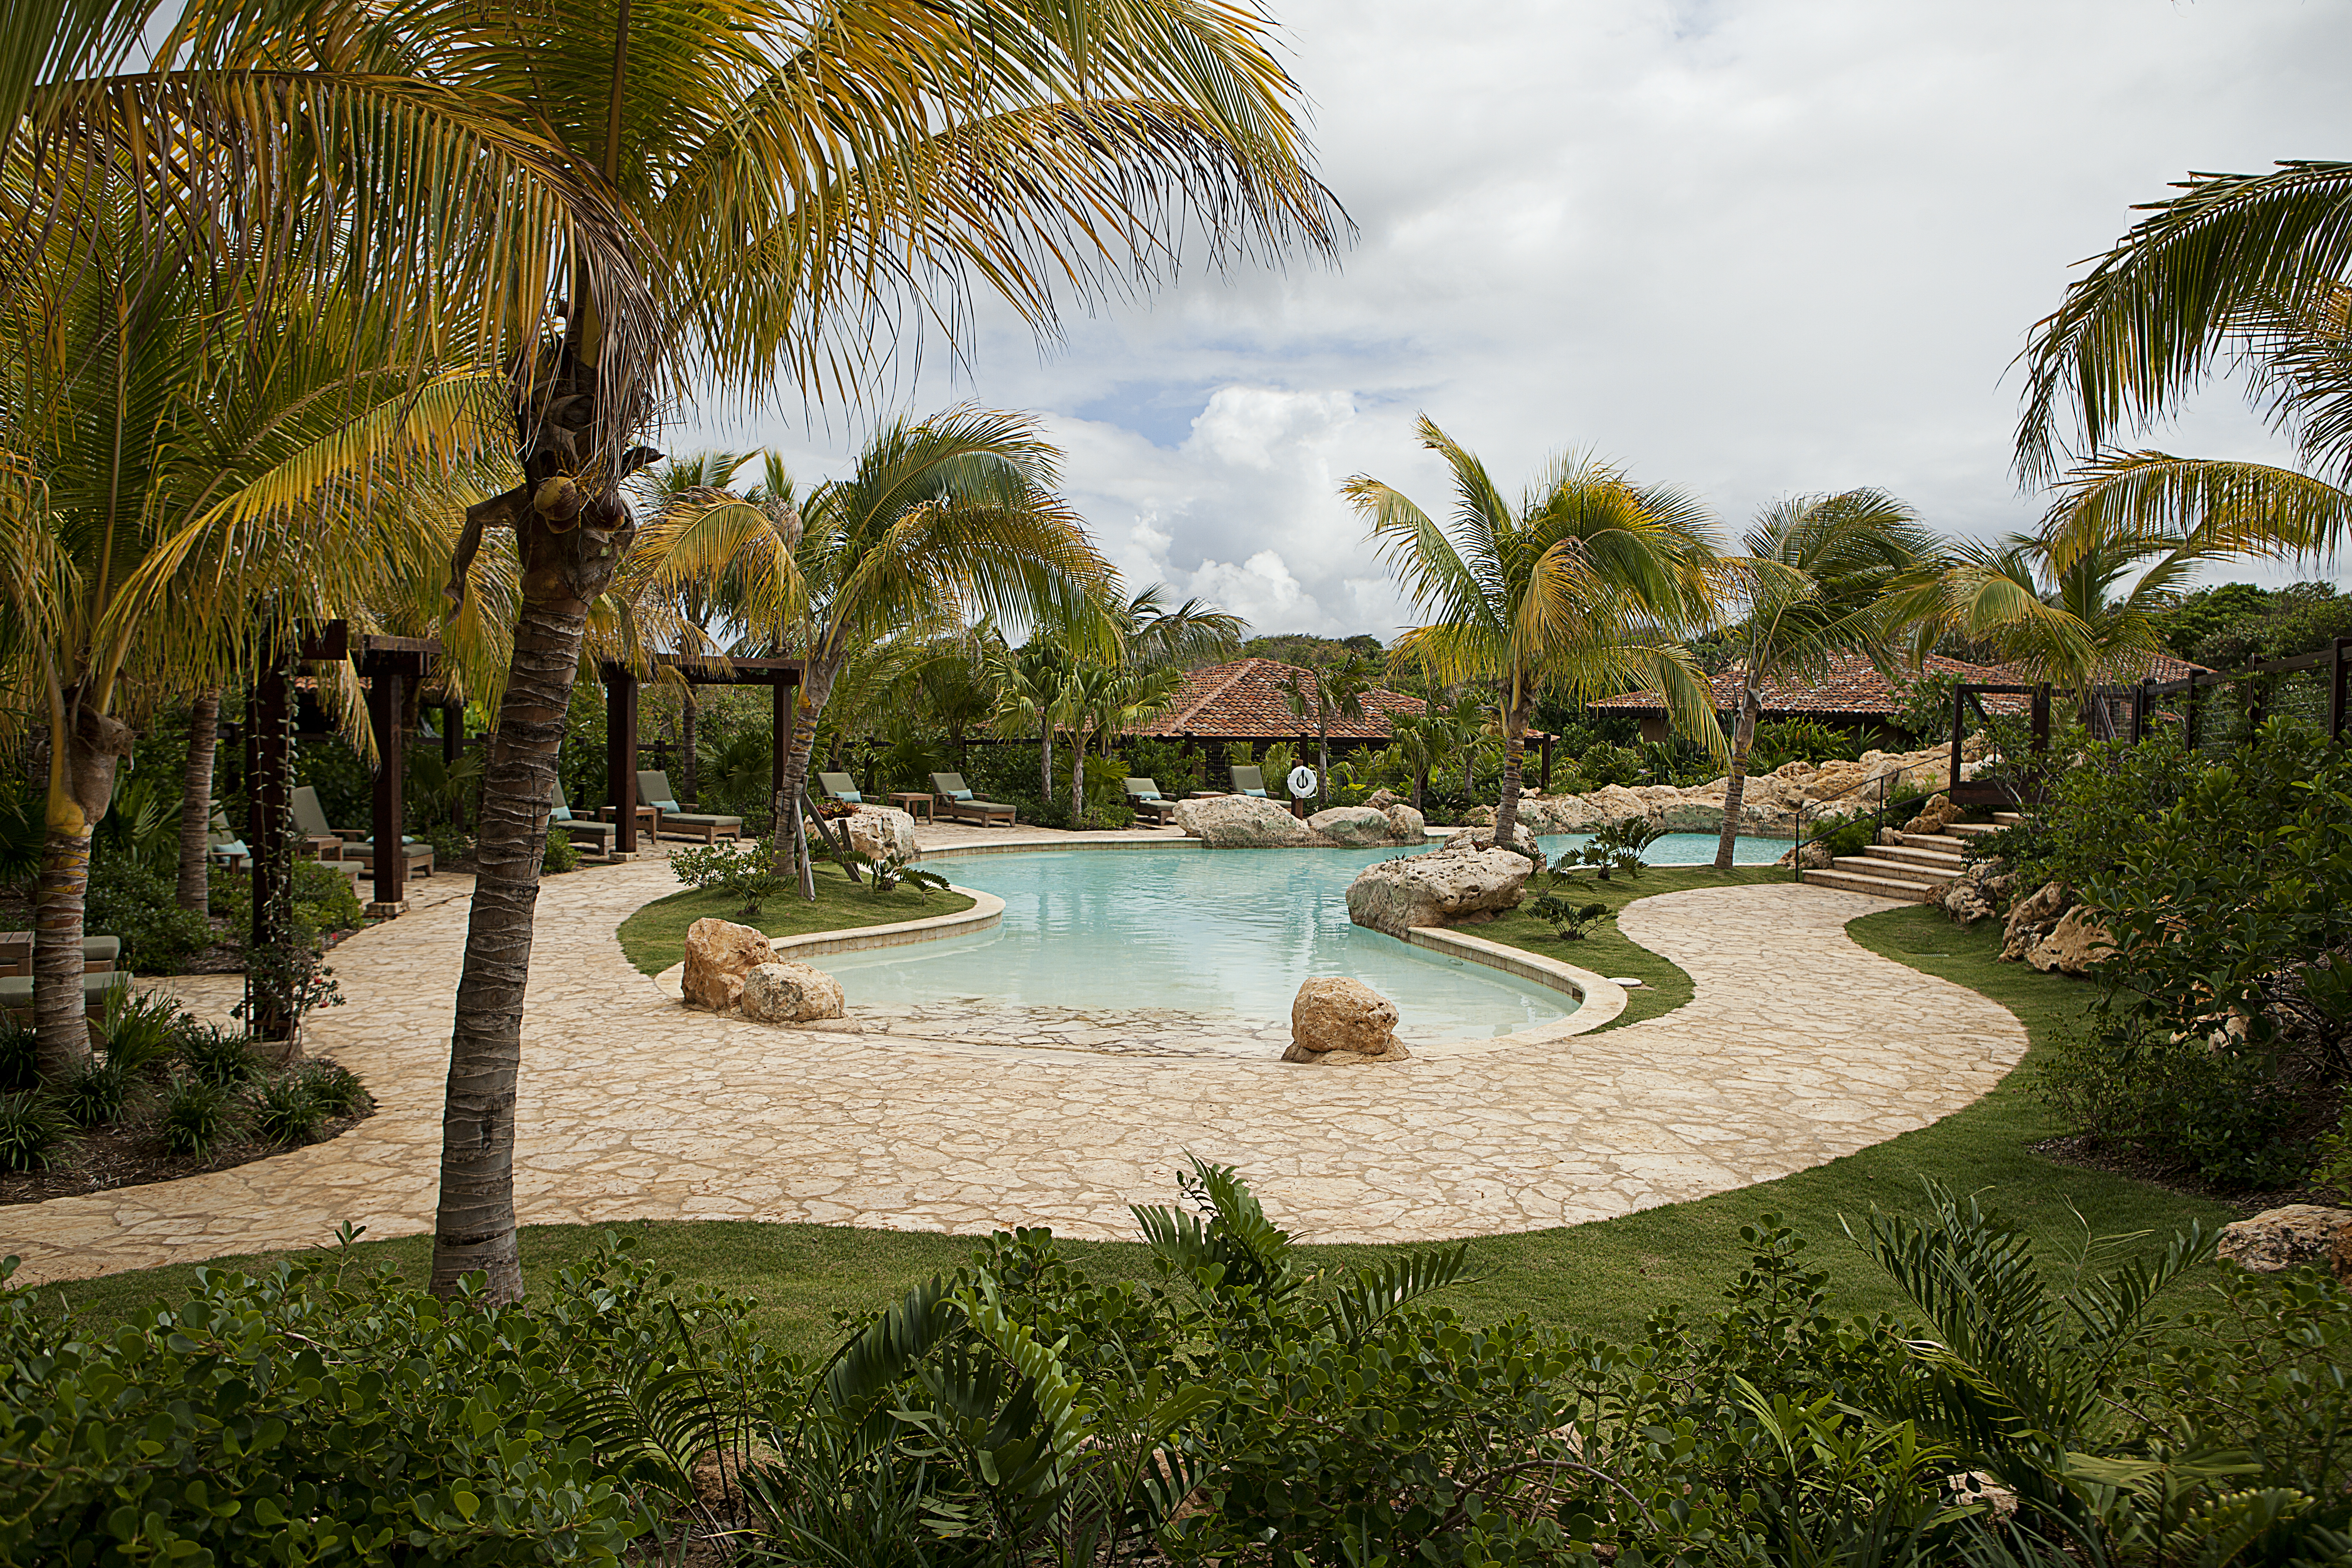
(782, 676)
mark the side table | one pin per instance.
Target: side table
(908, 800)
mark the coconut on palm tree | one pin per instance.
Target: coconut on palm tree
(1587, 586)
(1824, 575)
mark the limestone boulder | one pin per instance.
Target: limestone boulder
(1333, 1014)
(718, 954)
(2076, 943)
(1458, 883)
(1406, 826)
(2280, 1238)
(1242, 822)
(786, 993)
(1816, 856)
(1382, 799)
(1936, 815)
(1351, 826)
(882, 832)
(1973, 895)
(2033, 917)
(1472, 838)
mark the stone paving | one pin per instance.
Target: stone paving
(1799, 1045)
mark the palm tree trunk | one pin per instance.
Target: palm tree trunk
(1045, 762)
(791, 841)
(1743, 735)
(83, 753)
(1420, 786)
(1507, 810)
(1078, 773)
(689, 759)
(196, 801)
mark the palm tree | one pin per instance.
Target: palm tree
(940, 520)
(1190, 635)
(2236, 270)
(1581, 590)
(1028, 684)
(1825, 575)
(660, 491)
(1417, 741)
(1325, 691)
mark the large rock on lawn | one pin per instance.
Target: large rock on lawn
(882, 831)
(718, 954)
(2280, 1238)
(1352, 826)
(2076, 942)
(1440, 888)
(786, 993)
(2033, 917)
(1242, 822)
(1335, 1021)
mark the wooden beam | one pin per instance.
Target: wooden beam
(391, 866)
(621, 752)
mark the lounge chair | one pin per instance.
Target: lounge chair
(354, 846)
(99, 954)
(840, 787)
(653, 789)
(1248, 780)
(222, 844)
(954, 798)
(17, 991)
(581, 829)
(1144, 796)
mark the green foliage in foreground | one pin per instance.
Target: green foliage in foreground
(654, 937)
(1238, 1405)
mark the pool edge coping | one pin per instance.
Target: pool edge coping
(987, 912)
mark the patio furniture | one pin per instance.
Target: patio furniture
(603, 835)
(1144, 796)
(99, 954)
(961, 807)
(17, 991)
(653, 786)
(840, 787)
(1248, 780)
(914, 803)
(222, 844)
(354, 845)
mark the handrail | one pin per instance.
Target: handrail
(1886, 802)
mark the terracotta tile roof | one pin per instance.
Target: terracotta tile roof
(1850, 686)
(1854, 687)
(1241, 700)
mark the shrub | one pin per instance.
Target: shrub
(334, 1088)
(129, 901)
(323, 899)
(92, 1094)
(33, 1129)
(284, 1111)
(1567, 917)
(19, 1060)
(1784, 740)
(745, 871)
(2179, 1099)
(218, 1056)
(563, 857)
(140, 1028)
(197, 1115)
(1603, 764)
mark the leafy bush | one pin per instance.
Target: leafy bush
(197, 1115)
(745, 871)
(284, 1110)
(563, 857)
(334, 1088)
(129, 900)
(323, 898)
(33, 1128)
(92, 1094)
(1603, 764)
(1784, 740)
(2222, 1037)
(218, 1056)
(1566, 915)
(140, 1028)
(1612, 847)
(19, 1058)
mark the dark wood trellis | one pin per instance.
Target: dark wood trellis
(781, 675)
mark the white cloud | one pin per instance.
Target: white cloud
(1750, 249)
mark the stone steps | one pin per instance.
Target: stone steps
(1927, 855)
(1902, 890)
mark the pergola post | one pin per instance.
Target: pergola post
(621, 752)
(268, 775)
(1546, 785)
(391, 865)
(780, 696)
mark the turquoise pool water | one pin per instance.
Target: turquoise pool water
(1228, 935)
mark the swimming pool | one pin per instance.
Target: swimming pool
(1223, 937)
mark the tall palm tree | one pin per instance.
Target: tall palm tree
(2237, 271)
(1029, 683)
(1825, 575)
(940, 522)
(1585, 587)
(1186, 636)
(660, 491)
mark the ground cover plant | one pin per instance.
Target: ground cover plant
(1239, 1400)
(653, 938)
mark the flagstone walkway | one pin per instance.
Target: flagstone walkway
(1799, 1045)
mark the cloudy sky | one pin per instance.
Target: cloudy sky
(1743, 246)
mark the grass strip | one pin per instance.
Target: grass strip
(654, 937)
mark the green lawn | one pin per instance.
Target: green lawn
(654, 937)
(1607, 1277)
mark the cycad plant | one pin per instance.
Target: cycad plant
(1584, 589)
(1825, 575)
